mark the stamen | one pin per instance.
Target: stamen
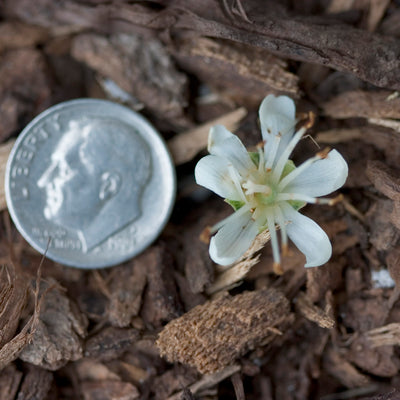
(252, 188)
(235, 179)
(301, 168)
(220, 224)
(308, 199)
(283, 159)
(281, 222)
(261, 158)
(274, 239)
(297, 196)
(205, 235)
(273, 150)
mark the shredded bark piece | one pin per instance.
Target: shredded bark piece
(211, 336)
(13, 298)
(186, 145)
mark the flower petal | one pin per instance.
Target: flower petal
(213, 173)
(233, 239)
(308, 237)
(277, 115)
(225, 144)
(322, 177)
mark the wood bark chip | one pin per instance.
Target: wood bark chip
(59, 334)
(25, 88)
(125, 293)
(385, 179)
(36, 384)
(10, 380)
(211, 336)
(269, 26)
(16, 34)
(363, 104)
(314, 313)
(105, 390)
(246, 73)
(188, 144)
(110, 343)
(343, 371)
(139, 66)
(161, 301)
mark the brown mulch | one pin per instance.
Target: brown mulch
(169, 324)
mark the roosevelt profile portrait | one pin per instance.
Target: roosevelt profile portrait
(95, 180)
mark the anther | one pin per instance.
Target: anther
(277, 267)
(336, 200)
(205, 235)
(324, 153)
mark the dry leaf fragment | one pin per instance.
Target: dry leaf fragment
(212, 335)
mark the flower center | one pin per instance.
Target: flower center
(259, 193)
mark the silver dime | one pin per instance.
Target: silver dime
(95, 178)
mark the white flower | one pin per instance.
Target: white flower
(266, 189)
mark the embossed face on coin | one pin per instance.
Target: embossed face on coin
(96, 178)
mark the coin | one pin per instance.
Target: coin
(92, 180)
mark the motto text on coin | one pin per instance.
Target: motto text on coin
(95, 178)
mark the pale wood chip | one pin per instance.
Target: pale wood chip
(231, 276)
(313, 313)
(5, 150)
(387, 123)
(213, 335)
(186, 145)
(208, 381)
(363, 104)
(388, 335)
